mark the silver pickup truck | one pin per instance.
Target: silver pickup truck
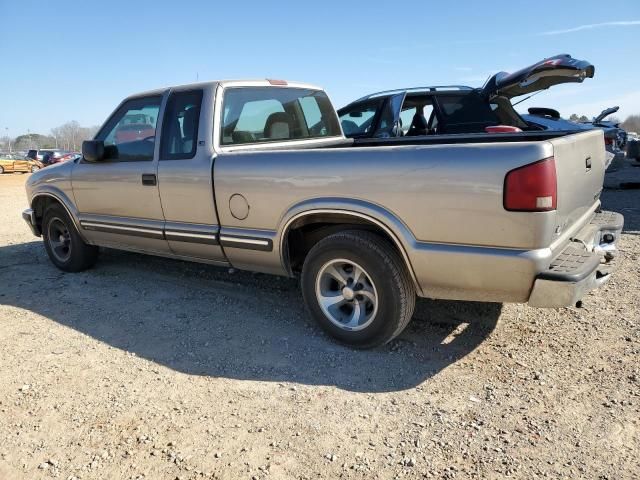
(259, 176)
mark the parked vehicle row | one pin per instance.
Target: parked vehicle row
(52, 156)
(259, 176)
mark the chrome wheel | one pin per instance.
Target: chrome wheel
(59, 239)
(34, 169)
(346, 294)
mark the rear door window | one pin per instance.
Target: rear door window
(465, 113)
(409, 111)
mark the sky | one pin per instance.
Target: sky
(76, 60)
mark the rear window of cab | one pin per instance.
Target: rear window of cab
(272, 114)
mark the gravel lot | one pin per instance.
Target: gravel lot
(150, 368)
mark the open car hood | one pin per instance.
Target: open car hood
(550, 71)
(605, 113)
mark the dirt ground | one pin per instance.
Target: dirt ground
(150, 368)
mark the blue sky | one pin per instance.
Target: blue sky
(75, 60)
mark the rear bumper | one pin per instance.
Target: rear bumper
(29, 217)
(585, 264)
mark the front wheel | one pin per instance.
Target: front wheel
(357, 288)
(64, 246)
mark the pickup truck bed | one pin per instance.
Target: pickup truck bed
(366, 225)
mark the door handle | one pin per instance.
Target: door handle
(149, 179)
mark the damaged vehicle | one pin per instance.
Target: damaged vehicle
(445, 110)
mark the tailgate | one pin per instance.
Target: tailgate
(580, 166)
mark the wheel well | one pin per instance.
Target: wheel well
(40, 205)
(306, 231)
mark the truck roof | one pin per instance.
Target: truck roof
(229, 83)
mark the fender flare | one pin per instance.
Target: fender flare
(62, 199)
(395, 229)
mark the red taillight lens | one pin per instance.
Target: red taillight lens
(608, 141)
(532, 188)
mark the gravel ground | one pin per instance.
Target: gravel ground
(150, 368)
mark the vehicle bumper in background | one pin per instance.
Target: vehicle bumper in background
(29, 217)
(585, 264)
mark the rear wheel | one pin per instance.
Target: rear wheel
(64, 246)
(1, 170)
(357, 288)
(34, 169)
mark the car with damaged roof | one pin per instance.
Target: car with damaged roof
(458, 109)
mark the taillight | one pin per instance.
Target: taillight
(532, 188)
(608, 141)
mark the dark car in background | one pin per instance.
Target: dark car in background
(550, 119)
(599, 121)
(445, 110)
(65, 157)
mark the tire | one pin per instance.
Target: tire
(34, 169)
(64, 246)
(1, 170)
(356, 286)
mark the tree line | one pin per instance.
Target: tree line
(630, 124)
(68, 136)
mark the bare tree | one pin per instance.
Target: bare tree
(70, 135)
(631, 124)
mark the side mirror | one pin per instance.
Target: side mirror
(93, 150)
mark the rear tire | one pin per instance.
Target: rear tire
(357, 288)
(1, 170)
(34, 169)
(63, 244)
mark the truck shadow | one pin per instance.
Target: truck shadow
(204, 320)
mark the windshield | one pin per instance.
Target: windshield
(358, 120)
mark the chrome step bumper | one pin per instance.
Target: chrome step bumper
(584, 264)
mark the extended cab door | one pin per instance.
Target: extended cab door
(185, 175)
(117, 198)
